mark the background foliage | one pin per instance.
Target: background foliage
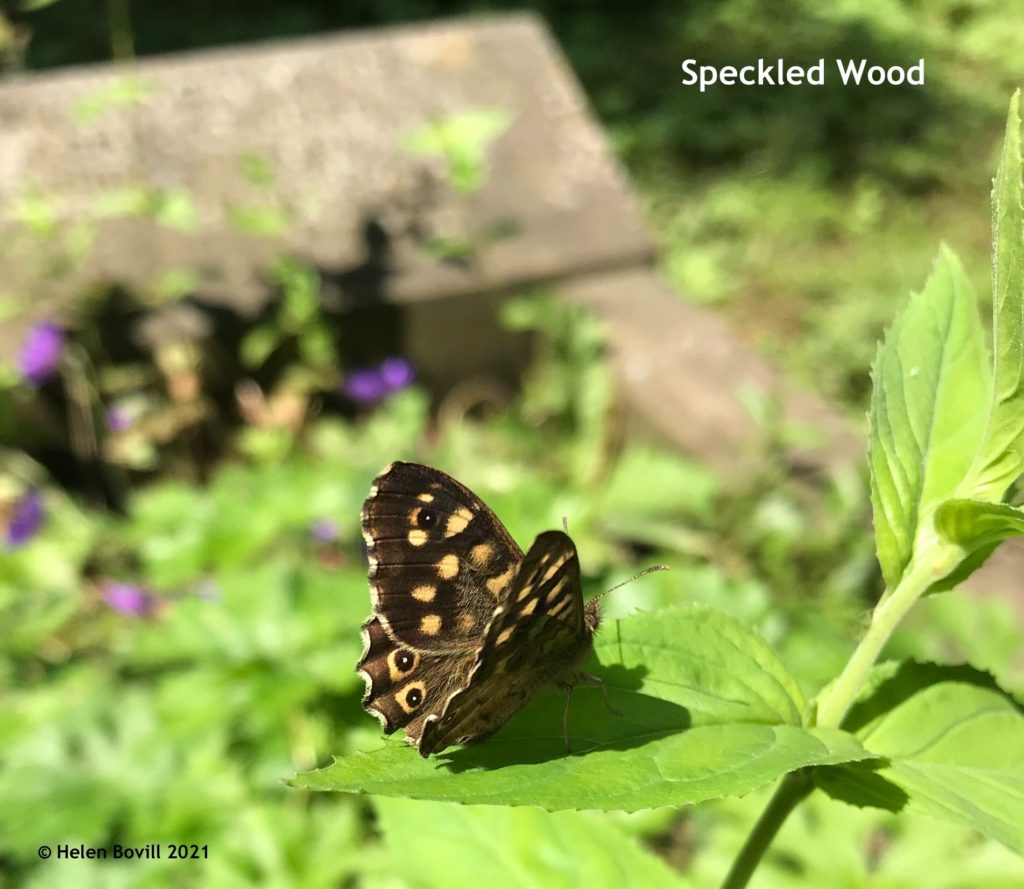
(168, 663)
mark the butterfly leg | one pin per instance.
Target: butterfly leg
(589, 679)
(565, 715)
(582, 679)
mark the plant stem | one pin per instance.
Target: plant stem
(790, 792)
(122, 40)
(80, 408)
(933, 564)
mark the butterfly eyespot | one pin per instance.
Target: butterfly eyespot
(426, 518)
(411, 697)
(401, 662)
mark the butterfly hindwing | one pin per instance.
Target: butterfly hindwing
(540, 630)
(404, 686)
(440, 560)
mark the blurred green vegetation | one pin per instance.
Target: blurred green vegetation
(803, 215)
(179, 719)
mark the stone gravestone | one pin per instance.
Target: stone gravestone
(215, 164)
(328, 117)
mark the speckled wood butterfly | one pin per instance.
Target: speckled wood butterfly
(464, 628)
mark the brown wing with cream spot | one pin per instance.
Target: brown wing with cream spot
(537, 635)
(440, 560)
(404, 686)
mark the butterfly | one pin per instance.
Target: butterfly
(465, 628)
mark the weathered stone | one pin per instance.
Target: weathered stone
(327, 117)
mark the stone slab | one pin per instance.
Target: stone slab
(328, 117)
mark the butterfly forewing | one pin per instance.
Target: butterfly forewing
(440, 560)
(538, 633)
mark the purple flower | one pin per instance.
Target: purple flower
(26, 519)
(40, 356)
(364, 386)
(126, 598)
(117, 419)
(324, 530)
(368, 385)
(397, 373)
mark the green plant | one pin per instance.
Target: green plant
(298, 319)
(461, 142)
(709, 710)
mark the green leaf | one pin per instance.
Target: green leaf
(466, 131)
(176, 283)
(448, 248)
(962, 571)
(301, 286)
(174, 208)
(1001, 458)
(894, 682)
(975, 525)
(258, 344)
(827, 845)
(683, 488)
(437, 844)
(37, 212)
(265, 222)
(317, 348)
(932, 383)
(462, 139)
(257, 169)
(952, 745)
(131, 200)
(116, 93)
(707, 711)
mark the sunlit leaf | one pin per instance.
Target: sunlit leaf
(932, 383)
(707, 711)
(952, 746)
(118, 93)
(1001, 458)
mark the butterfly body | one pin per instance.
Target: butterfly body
(465, 627)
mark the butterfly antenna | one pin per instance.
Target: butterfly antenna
(565, 524)
(636, 576)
